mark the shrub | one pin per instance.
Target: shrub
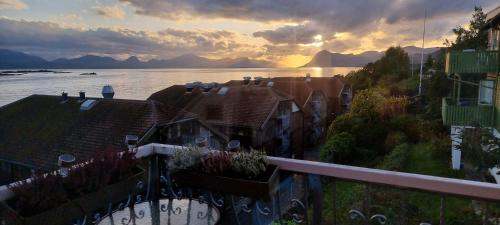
(367, 104)
(339, 148)
(394, 139)
(249, 164)
(394, 106)
(185, 159)
(397, 159)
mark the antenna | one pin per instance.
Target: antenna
(422, 56)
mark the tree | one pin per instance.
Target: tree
(339, 148)
(481, 149)
(395, 64)
(367, 104)
(472, 37)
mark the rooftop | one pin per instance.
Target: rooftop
(42, 127)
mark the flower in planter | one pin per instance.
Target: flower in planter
(46, 191)
(216, 163)
(250, 164)
(186, 159)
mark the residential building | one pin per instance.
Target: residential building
(258, 117)
(481, 106)
(36, 130)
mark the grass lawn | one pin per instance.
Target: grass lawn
(418, 207)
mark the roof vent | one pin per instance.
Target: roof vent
(270, 83)
(246, 80)
(257, 80)
(223, 90)
(131, 141)
(82, 96)
(87, 104)
(65, 161)
(201, 142)
(233, 145)
(108, 92)
(206, 87)
(64, 97)
(189, 87)
(308, 77)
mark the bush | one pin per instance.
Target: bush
(394, 139)
(249, 164)
(339, 148)
(367, 104)
(397, 159)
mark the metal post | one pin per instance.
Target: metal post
(422, 57)
(441, 211)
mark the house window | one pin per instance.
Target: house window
(486, 92)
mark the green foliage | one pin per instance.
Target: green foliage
(188, 158)
(394, 65)
(250, 164)
(473, 37)
(397, 159)
(367, 104)
(393, 139)
(481, 148)
(339, 148)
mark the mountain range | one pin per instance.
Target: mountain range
(325, 58)
(17, 60)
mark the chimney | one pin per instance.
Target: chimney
(246, 80)
(206, 88)
(257, 80)
(82, 96)
(233, 145)
(65, 162)
(189, 87)
(131, 141)
(64, 96)
(108, 92)
(201, 142)
(308, 77)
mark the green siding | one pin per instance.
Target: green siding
(472, 62)
(467, 115)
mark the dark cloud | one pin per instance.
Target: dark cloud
(301, 34)
(51, 41)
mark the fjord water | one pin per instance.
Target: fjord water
(135, 83)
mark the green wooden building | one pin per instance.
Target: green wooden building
(482, 108)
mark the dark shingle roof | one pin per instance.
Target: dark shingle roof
(240, 106)
(37, 129)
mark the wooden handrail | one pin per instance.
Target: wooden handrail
(440, 185)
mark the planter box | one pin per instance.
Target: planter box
(68, 212)
(260, 189)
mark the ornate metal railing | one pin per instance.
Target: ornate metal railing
(309, 193)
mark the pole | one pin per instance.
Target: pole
(422, 57)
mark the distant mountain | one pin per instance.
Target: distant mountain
(325, 58)
(19, 60)
(11, 59)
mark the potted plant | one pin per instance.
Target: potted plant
(241, 173)
(56, 200)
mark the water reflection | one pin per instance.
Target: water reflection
(166, 211)
(135, 83)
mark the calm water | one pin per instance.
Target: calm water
(135, 83)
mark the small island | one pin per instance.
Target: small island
(89, 74)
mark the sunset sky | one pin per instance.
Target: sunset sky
(288, 32)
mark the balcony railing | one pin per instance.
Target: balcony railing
(466, 112)
(472, 62)
(309, 193)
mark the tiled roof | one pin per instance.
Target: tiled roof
(37, 129)
(330, 86)
(240, 106)
(298, 89)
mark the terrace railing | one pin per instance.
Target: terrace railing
(472, 62)
(309, 193)
(466, 113)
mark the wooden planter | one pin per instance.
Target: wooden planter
(68, 212)
(259, 189)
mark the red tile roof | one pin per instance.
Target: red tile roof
(37, 129)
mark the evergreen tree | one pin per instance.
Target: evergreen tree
(472, 37)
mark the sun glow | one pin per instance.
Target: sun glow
(294, 60)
